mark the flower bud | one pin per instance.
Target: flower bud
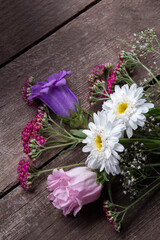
(53, 92)
(73, 189)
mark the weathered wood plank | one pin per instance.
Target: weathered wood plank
(79, 46)
(23, 23)
(30, 215)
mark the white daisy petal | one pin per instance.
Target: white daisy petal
(140, 123)
(119, 147)
(129, 132)
(133, 87)
(102, 141)
(149, 105)
(117, 88)
(134, 118)
(132, 124)
(87, 132)
(141, 101)
(128, 106)
(107, 104)
(108, 153)
(86, 149)
(116, 155)
(145, 109)
(92, 126)
(96, 119)
(141, 117)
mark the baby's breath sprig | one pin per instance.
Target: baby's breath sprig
(133, 54)
(151, 127)
(136, 170)
(102, 84)
(131, 60)
(145, 42)
(132, 168)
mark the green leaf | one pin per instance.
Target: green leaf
(154, 112)
(102, 177)
(78, 133)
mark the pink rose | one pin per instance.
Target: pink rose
(73, 189)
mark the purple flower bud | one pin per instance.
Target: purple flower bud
(55, 94)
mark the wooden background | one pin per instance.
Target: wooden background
(39, 38)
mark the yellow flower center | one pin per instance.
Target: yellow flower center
(98, 142)
(122, 107)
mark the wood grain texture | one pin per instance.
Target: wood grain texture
(79, 46)
(74, 47)
(88, 40)
(30, 215)
(23, 23)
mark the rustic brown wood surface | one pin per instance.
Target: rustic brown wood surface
(87, 39)
(25, 23)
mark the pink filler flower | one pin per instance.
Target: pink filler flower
(73, 189)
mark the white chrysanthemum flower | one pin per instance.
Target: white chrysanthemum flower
(128, 106)
(103, 143)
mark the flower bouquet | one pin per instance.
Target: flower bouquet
(122, 139)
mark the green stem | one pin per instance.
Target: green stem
(136, 201)
(131, 80)
(102, 99)
(57, 141)
(123, 217)
(143, 140)
(63, 167)
(106, 93)
(60, 145)
(157, 42)
(156, 51)
(148, 70)
(63, 129)
(153, 165)
(141, 197)
(56, 133)
(109, 189)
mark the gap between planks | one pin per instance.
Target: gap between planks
(16, 184)
(50, 33)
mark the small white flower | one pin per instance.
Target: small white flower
(128, 106)
(103, 143)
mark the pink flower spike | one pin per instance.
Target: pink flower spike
(113, 224)
(98, 72)
(23, 173)
(30, 132)
(26, 91)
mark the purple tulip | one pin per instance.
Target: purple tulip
(55, 94)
